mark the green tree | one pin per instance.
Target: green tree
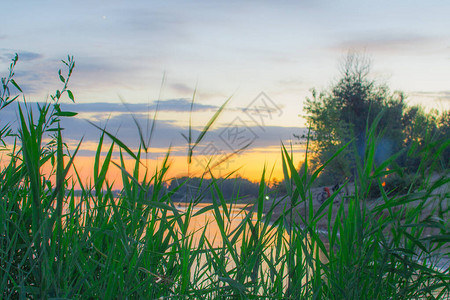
(343, 113)
(424, 131)
(443, 123)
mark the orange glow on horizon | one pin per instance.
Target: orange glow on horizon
(249, 165)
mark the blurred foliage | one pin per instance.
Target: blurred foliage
(342, 114)
(397, 184)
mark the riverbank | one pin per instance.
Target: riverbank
(439, 196)
(434, 203)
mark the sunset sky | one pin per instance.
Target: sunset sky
(142, 51)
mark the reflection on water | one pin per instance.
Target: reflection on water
(273, 241)
(227, 242)
(207, 221)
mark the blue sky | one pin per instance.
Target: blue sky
(284, 48)
(124, 50)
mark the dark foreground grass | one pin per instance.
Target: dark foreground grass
(140, 245)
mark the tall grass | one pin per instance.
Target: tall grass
(138, 244)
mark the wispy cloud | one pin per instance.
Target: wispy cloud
(383, 41)
(291, 82)
(440, 95)
(8, 54)
(170, 105)
(34, 72)
(154, 19)
(182, 88)
(182, 105)
(28, 56)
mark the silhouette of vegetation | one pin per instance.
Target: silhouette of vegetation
(185, 188)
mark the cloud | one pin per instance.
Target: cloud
(291, 82)
(29, 56)
(146, 19)
(167, 134)
(182, 88)
(183, 105)
(382, 41)
(29, 82)
(170, 105)
(166, 27)
(440, 95)
(120, 121)
(8, 54)
(236, 135)
(123, 127)
(34, 73)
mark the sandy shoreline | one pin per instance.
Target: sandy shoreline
(440, 196)
(441, 192)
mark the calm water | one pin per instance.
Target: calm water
(206, 221)
(237, 214)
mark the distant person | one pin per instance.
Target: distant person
(327, 190)
(335, 187)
